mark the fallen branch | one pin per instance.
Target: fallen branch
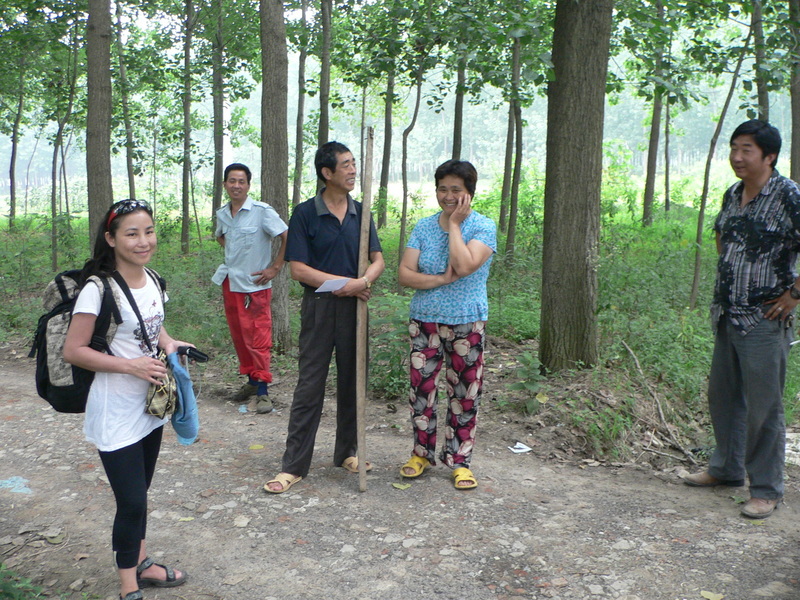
(667, 454)
(653, 394)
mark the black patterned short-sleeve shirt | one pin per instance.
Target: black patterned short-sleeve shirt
(760, 244)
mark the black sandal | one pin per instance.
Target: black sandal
(137, 595)
(170, 581)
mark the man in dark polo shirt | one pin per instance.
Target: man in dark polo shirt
(757, 290)
(322, 246)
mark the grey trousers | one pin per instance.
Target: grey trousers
(745, 398)
(328, 322)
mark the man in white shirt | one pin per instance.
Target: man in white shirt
(246, 229)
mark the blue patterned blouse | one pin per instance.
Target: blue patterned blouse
(464, 300)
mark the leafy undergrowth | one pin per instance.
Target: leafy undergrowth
(14, 587)
(608, 413)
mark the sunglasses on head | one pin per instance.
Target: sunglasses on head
(123, 207)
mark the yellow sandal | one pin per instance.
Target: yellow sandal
(417, 463)
(464, 474)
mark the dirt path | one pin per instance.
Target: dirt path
(533, 529)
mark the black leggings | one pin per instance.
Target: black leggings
(130, 471)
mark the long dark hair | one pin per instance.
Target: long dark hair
(104, 260)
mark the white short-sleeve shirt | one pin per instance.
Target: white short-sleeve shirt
(115, 416)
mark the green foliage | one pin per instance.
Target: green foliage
(605, 427)
(514, 298)
(619, 190)
(14, 587)
(529, 379)
(389, 346)
(645, 279)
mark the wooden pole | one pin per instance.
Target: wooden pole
(362, 314)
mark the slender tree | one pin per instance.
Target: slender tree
(757, 27)
(458, 115)
(99, 189)
(386, 160)
(655, 129)
(186, 162)
(516, 111)
(124, 89)
(297, 185)
(218, 104)
(275, 148)
(698, 257)
(325, 72)
(794, 88)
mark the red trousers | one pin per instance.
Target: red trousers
(250, 322)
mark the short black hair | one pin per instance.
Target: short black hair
(461, 169)
(238, 167)
(327, 156)
(766, 136)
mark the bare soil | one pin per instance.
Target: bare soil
(545, 524)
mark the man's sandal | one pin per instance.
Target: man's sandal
(170, 581)
(418, 464)
(351, 464)
(135, 595)
(286, 480)
(463, 474)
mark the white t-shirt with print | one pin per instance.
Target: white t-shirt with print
(115, 416)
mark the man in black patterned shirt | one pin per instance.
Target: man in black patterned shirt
(757, 290)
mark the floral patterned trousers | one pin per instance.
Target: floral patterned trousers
(462, 347)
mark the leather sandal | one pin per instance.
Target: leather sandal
(170, 581)
(135, 595)
(351, 464)
(418, 464)
(286, 480)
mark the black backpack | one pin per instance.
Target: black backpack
(65, 386)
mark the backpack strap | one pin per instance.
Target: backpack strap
(132, 301)
(160, 282)
(108, 310)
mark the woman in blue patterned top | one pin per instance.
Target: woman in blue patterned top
(447, 262)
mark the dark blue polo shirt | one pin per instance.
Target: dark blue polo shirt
(317, 239)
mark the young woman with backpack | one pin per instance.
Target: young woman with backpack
(127, 438)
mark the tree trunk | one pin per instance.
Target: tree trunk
(511, 238)
(297, 187)
(154, 190)
(698, 255)
(458, 118)
(666, 158)
(404, 162)
(794, 24)
(507, 166)
(218, 103)
(325, 73)
(275, 149)
(383, 188)
(99, 189)
(757, 27)
(187, 125)
(575, 108)
(64, 182)
(126, 115)
(57, 142)
(655, 129)
(28, 170)
(12, 166)
(363, 130)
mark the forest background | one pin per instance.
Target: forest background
(598, 128)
